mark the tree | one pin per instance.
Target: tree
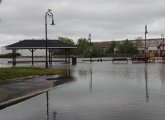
(112, 46)
(127, 48)
(139, 42)
(66, 40)
(87, 49)
(83, 46)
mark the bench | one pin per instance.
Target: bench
(119, 60)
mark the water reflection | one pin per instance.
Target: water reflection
(162, 76)
(47, 101)
(83, 73)
(47, 108)
(90, 83)
(54, 115)
(146, 82)
(118, 92)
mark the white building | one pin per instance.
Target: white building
(37, 52)
(3, 50)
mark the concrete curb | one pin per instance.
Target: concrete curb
(22, 98)
(25, 97)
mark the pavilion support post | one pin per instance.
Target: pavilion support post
(32, 51)
(53, 54)
(50, 56)
(65, 56)
(14, 57)
(69, 56)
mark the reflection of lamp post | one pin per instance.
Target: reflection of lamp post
(90, 85)
(50, 14)
(146, 82)
(47, 104)
(145, 43)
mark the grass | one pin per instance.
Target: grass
(8, 75)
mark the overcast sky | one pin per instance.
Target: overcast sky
(104, 19)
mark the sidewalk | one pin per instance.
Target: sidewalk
(19, 91)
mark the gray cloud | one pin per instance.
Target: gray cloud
(104, 19)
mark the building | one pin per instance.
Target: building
(103, 45)
(3, 50)
(152, 45)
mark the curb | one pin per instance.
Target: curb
(25, 97)
(22, 98)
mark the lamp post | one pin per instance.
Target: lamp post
(145, 43)
(48, 14)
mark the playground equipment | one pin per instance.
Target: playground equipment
(151, 56)
(139, 59)
(161, 52)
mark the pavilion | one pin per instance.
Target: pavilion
(32, 45)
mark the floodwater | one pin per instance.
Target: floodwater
(101, 91)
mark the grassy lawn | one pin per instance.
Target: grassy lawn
(8, 75)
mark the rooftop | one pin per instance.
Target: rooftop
(40, 44)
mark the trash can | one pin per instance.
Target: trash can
(74, 60)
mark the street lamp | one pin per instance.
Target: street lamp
(48, 14)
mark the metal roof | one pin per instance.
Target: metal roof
(40, 44)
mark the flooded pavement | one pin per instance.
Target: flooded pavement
(24, 87)
(102, 91)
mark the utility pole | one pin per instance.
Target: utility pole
(145, 43)
(162, 37)
(162, 53)
(89, 39)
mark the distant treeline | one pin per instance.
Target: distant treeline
(85, 48)
(9, 55)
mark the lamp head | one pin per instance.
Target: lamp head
(52, 22)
